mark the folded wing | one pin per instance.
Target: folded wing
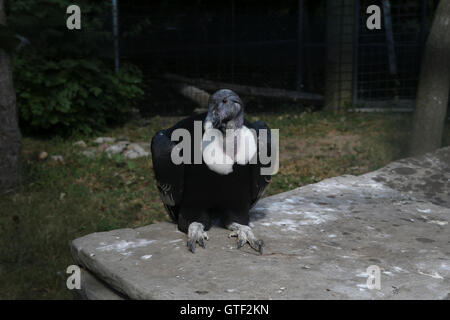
(169, 177)
(260, 181)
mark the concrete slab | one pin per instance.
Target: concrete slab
(94, 289)
(320, 240)
(425, 178)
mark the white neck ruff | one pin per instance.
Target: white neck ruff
(221, 161)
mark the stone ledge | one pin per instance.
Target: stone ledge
(94, 289)
(319, 238)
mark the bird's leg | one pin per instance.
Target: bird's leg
(196, 234)
(245, 234)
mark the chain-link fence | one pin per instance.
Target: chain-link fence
(299, 50)
(389, 58)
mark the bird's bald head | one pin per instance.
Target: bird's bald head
(225, 111)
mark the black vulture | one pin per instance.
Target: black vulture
(200, 191)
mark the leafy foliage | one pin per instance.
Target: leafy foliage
(64, 79)
(73, 95)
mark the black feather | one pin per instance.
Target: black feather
(169, 176)
(259, 181)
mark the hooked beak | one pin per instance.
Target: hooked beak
(212, 120)
(208, 125)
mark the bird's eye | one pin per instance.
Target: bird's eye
(224, 101)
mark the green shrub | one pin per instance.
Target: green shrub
(72, 96)
(64, 80)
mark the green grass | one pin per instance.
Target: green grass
(59, 202)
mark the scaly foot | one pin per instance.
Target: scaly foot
(196, 234)
(245, 234)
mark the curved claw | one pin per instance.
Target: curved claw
(191, 245)
(260, 246)
(202, 243)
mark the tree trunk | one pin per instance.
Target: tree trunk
(434, 83)
(10, 137)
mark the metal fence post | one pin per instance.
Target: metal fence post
(115, 21)
(300, 46)
(355, 54)
(233, 30)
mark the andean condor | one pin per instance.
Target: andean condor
(196, 195)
